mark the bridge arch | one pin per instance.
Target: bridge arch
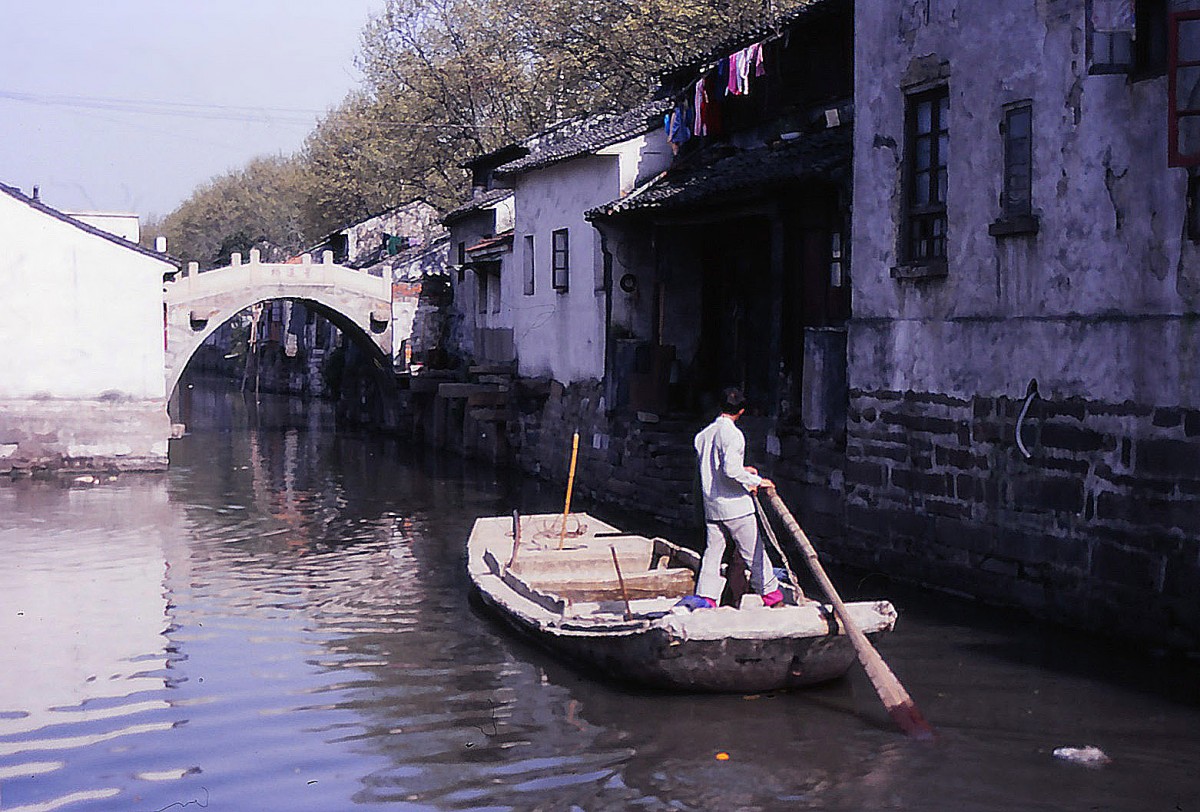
(356, 303)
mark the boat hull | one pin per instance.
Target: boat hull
(655, 658)
(607, 602)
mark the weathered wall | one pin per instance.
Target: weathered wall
(622, 461)
(560, 335)
(1096, 527)
(1108, 271)
(81, 374)
(488, 335)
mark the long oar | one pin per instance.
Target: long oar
(897, 701)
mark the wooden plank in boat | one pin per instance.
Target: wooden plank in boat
(675, 583)
(577, 559)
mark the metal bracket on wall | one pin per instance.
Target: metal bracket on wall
(1031, 392)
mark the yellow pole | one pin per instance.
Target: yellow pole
(562, 533)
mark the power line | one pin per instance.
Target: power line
(210, 112)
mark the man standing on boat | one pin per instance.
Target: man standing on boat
(726, 484)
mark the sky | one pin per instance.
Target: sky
(129, 105)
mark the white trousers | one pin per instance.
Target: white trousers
(743, 531)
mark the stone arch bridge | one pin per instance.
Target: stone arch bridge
(359, 304)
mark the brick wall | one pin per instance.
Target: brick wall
(1099, 527)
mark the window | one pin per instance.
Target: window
(1018, 160)
(562, 259)
(530, 265)
(1183, 90)
(837, 271)
(481, 291)
(1127, 36)
(1150, 38)
(1016, 194)
(927, 149)
(1110, 36)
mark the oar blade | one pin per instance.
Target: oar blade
(909, 719)
(895, 699)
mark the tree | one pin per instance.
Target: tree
(256, 207)
(446, 81)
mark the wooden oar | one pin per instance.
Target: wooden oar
(897, 701)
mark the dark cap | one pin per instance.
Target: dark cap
(732, 400)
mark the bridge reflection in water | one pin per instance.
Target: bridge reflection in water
(280, 624)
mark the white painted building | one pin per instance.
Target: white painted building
(125, 225)
(82, 380)
(558, 286)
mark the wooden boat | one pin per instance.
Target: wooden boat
(607, 601)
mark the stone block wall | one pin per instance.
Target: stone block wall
(623, 461)
(52, 436)
(1099, 527)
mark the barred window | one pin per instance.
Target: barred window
(562, 259)
(927, 150)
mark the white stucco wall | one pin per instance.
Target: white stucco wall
(125, 226)
(1097, 304)
(82, 315)
(561, 334)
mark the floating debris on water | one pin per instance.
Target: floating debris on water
(1088, 756)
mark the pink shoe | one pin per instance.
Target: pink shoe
(773, 598)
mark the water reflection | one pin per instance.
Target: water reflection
(281, 624)
(85, 618)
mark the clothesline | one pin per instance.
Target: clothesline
(698, 111)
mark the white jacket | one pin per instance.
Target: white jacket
(724, 481)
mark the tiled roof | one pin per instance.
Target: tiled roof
(579, 136)
(379, 262)
(16, 193)
(713, 175)
(487, 244)
(478, 203)
(756, 34)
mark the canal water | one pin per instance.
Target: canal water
(281, 623)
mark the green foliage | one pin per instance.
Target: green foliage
(259, 206)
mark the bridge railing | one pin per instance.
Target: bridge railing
(273, 277)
